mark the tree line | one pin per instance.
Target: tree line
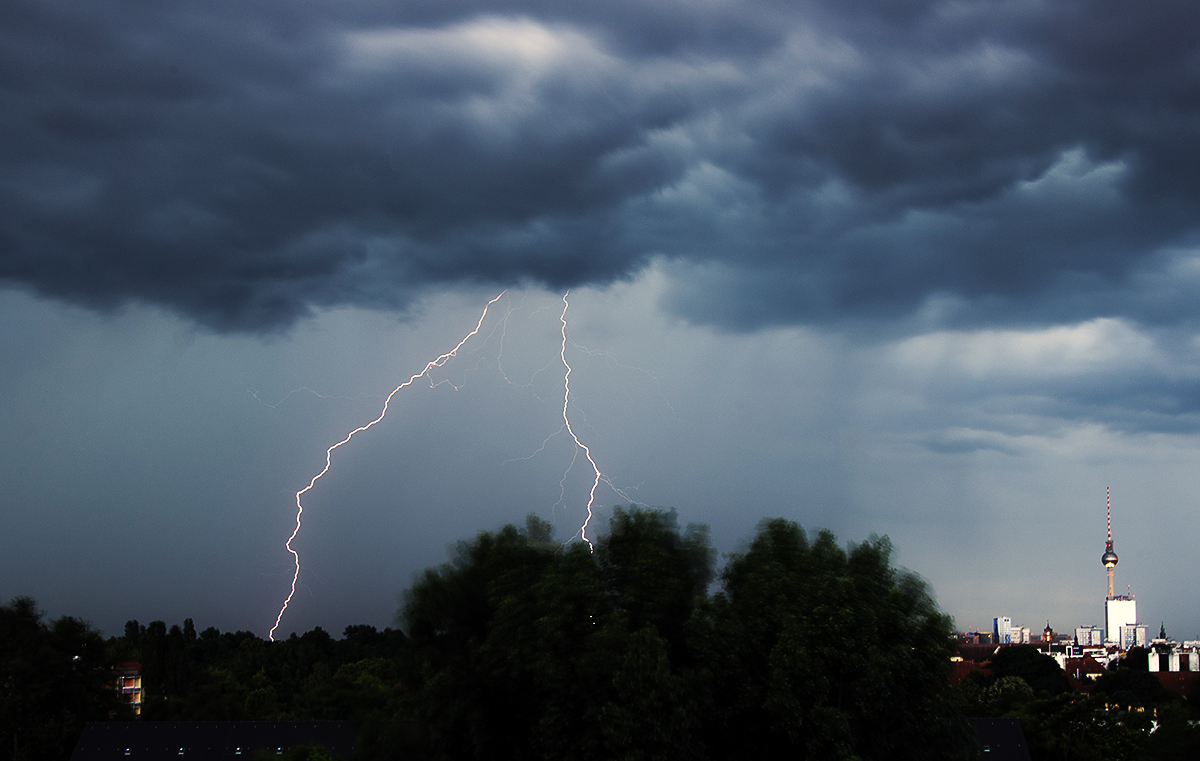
(520, 647)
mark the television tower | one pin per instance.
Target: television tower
(1109, 558)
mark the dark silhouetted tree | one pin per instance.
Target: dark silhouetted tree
(533, 651)
(812, 651)
(1041, 672)
(52, 679)
(1132, 687)
(821, 653)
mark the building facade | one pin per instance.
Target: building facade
(1088, 636)
(1133, 635)
(129, 684)
(1002, 630)
(1118, 611)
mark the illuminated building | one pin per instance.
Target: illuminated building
(1119, 611)
(129, 684)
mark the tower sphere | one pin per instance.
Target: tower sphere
(1109, 558)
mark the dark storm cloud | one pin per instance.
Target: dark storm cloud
(243, 162)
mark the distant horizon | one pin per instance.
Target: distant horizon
(338, 631)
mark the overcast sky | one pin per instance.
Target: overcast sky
(923, 269)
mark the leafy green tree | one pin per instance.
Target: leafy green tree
(1006, 695)
(262, 703)
(467, 620)
(1136, 658)
(1041, 672)
(534, 651)
(133, 633)
(1133, 687)
(811, 651)
(817, 652)
(653, 573)
(1076, 727)
(1176, 736)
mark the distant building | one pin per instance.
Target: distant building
(1084, 669)
(1174, 660)
(1002, 630)
(1176, 666)
(1133, 635)
(975, 638)
(1119, 611)
(1087, 636)
(129, 684)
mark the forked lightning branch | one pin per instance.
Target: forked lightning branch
(439, 361)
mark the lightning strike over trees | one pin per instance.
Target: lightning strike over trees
(441, 360)
(578, 444)
(567, 424)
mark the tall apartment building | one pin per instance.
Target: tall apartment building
(1089, 636)
(129, 684)
(1002, 630)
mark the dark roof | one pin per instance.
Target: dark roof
(1180, 682)
(960, 669)
(976, 652)
(1085, 664)
(205, 740)
(1000, 739)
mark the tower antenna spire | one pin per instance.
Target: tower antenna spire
(1109, 558)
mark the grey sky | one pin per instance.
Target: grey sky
(923, 269)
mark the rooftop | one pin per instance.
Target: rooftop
(206, 740)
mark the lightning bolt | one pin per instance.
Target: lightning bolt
(562, 318)
(329, 452)
(598, 475)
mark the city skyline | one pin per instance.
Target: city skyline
(1120, 610)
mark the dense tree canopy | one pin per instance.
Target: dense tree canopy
(532, 650)
(810, 651)
(53, 678)
(822, 653)
(1037, 669)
